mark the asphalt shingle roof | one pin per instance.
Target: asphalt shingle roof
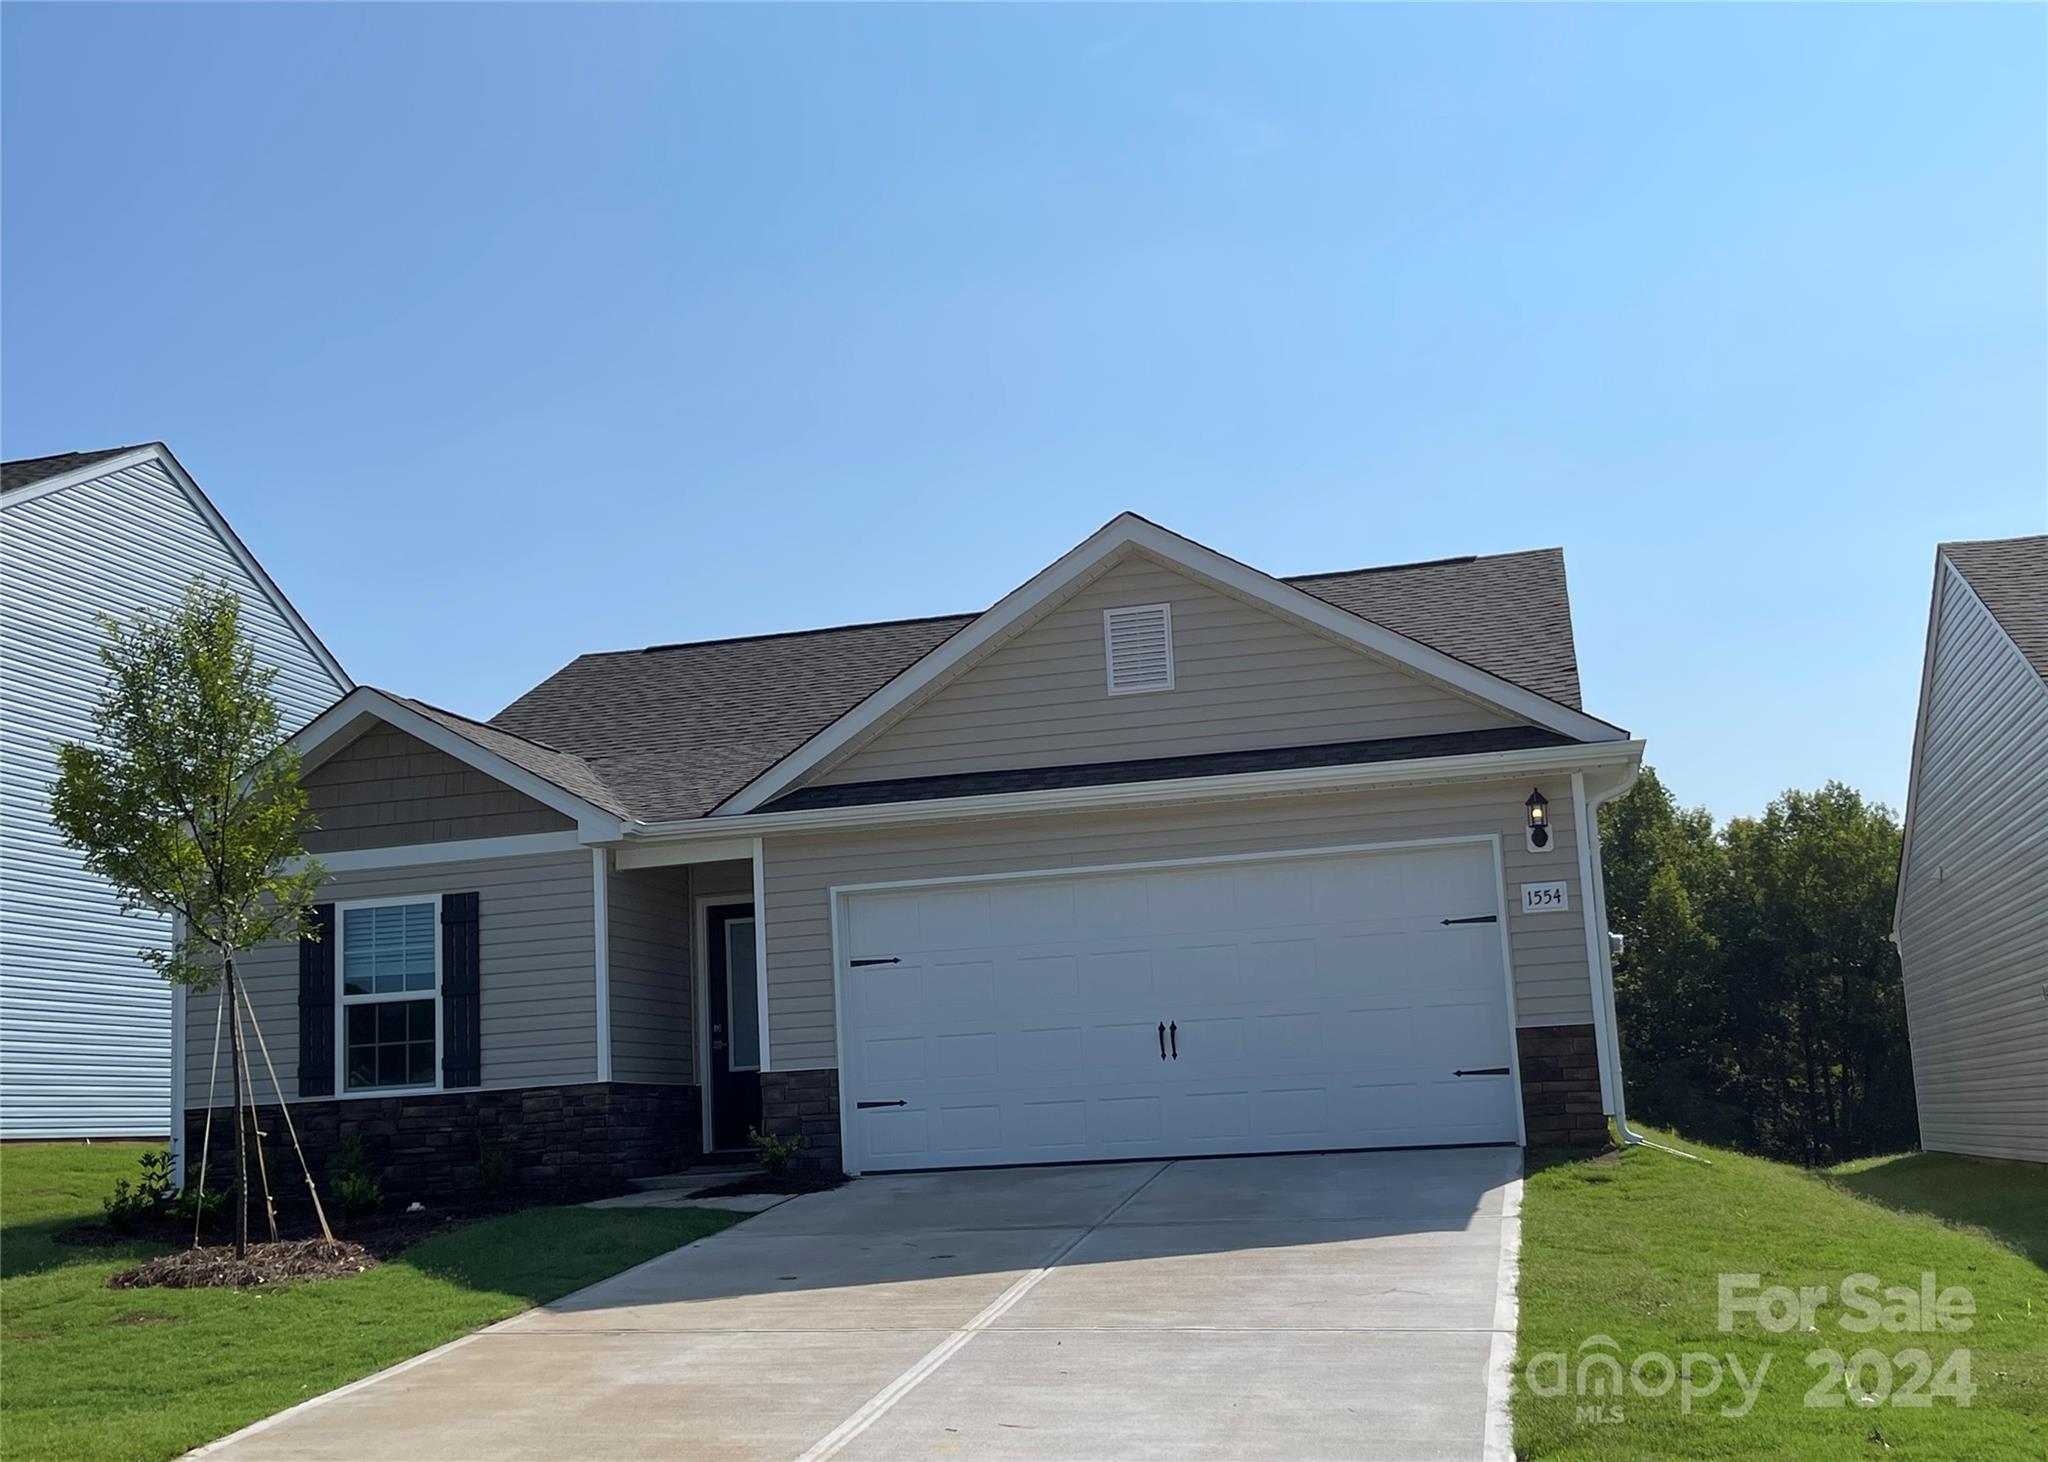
(28, 471)
(565, 769)
(2011, 576)
(672, 730)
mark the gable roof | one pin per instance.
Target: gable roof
(27, 471)
(2010, 577)
(676, 730)
(31, 479)
(559, 779)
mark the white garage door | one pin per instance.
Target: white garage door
(1262, 1005)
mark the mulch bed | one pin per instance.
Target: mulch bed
(787, 1183)
(381, 1234)
(300, 1253)
(218, 1268)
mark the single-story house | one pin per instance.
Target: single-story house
(85, 1025)
(1971, 921)
(1158, 855)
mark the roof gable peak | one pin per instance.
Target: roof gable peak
(1122, 535)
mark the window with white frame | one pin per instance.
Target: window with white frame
(390, 985)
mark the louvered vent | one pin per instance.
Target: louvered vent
(1138, 641)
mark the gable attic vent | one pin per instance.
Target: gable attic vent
(1138, 643)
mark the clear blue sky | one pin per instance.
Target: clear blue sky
(505, 333)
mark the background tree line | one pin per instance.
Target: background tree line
(1757, 988)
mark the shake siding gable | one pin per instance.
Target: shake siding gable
(1243, 677)
(1973, 928)
(537, 958)
(389, 789)
(85, 1026)
(1552, 984)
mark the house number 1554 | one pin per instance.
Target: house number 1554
(1545, 898)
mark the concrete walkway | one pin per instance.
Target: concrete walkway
(1329, 1306)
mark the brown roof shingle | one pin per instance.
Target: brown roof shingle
(2011, 576)
(27, 471)
(673, 730)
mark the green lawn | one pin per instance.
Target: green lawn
(89, 1372)
(1631, 1248)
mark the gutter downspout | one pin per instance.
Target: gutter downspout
(1603, 973)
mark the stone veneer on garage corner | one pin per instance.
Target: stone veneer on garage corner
(1561, 1086)
(804, 1104)
(561, 1141)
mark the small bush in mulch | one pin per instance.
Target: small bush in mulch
(218, 1268)
(775, 1183)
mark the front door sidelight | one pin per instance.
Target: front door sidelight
(733, 1012)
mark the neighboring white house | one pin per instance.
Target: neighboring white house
(85, 1025)
(1972, 916)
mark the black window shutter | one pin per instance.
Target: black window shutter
(461, 1045)
(316, 1006)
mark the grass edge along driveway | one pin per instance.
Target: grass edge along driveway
(1630, 1247)
(93, 1373)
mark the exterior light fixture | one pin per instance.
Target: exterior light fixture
(1539, 821)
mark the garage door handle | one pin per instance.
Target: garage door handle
(1483, 1071)
(1174, 1031)
(891, 960)
(1162, 1040)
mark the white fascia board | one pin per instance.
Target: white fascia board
(330, 731)
(254, 568)
(160, 455)
(1358, 777)
(469, 850)
(1130, 531)
(663, 855)
(102, 468)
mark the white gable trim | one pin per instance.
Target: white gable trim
(338, 725)
(158, 454)
(1483, 766)
(1130, 531)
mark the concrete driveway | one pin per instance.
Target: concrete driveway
(1323, 1306)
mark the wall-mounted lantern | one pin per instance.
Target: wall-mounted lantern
(1539, 822)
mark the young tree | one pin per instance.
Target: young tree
(190, 803)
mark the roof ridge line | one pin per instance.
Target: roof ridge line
(971, 614)
(488, 726)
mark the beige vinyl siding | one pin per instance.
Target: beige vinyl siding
(386, 789)
(1549, 950)
(720, 878)
(1243, 677)
(537, 955)
(648, 929)
(1973, 926)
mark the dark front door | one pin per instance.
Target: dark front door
(734, 1010)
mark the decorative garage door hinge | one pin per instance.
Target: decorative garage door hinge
(899, 1102)
(891, 960)
(1483, 1071)
(1475, 919)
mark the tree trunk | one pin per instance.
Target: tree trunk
(241, 1137)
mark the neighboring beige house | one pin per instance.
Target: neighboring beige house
(1158, 856)
(1972, 916)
